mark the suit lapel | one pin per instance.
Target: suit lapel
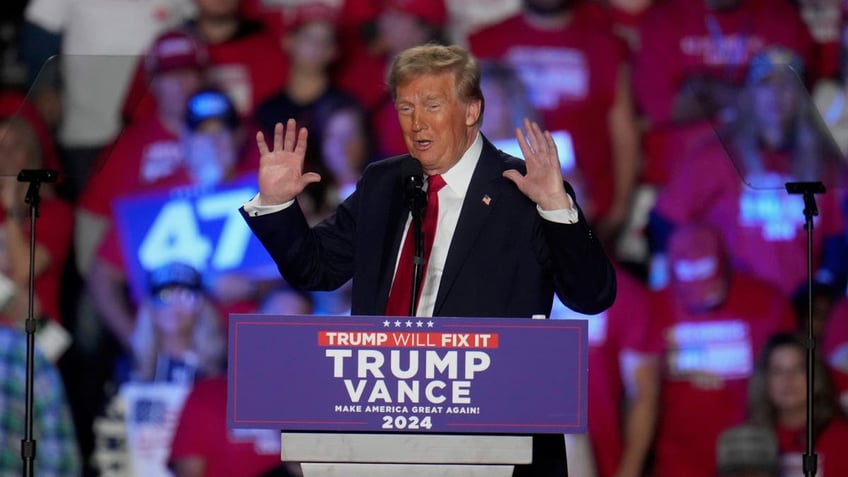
(397, 217)
(481, 197)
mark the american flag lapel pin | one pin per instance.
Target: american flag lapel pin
(486, 199)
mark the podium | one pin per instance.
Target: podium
(385, 396)
(410, 455)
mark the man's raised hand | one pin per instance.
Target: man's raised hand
(543, 182)
(281, 176)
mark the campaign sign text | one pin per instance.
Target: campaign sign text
(374, 373)
(200, 227)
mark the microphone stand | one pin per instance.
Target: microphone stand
(417, 203)
(808, 190)
(35, 177)
(418, 256)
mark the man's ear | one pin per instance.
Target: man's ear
(472, 112)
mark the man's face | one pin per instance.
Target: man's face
(699, 283)
(400, 30)
(217, 8)
(313, 45)
(210, 152)
(498, 118)
(344, 145)
(176, 310)
(173, 88)
(437, 126)
(777, 99)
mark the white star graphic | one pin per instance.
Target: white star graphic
(386, 324)
(397, 324)
(408, 324)
(430, 324)
(419, 323)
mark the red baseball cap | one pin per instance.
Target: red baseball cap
(173, 50)
(433, 12)
(698, 266)
(312, 12)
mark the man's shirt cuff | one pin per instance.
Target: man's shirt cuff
(561, 216)
(254, 209)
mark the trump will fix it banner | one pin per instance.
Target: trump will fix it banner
(390, 374)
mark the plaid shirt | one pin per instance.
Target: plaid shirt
(57, 453)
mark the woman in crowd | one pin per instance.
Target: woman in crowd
(777, 398)
(20, 149)
(178, 334)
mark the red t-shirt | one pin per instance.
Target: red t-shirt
(202, 432)
(680, 39)
(626, 25)
(250, 68)
(571, 76)
(623, 327)
(142, 156)
(763, 229)
(707, 359)
(829, 449)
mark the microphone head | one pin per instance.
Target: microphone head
(412, 180)
(411, 170)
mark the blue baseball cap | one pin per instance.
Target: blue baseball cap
(210, 104)
(174, 274)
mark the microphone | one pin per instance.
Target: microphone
(412, 177)
(412, 180)
(40, 175)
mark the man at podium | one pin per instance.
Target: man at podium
(499, 235)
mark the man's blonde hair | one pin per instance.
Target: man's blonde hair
(432, 59)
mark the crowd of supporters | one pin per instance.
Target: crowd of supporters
(678, 122)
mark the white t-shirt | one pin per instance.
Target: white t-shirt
(101, 44)
(466, 16)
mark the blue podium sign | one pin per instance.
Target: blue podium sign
(420, 375)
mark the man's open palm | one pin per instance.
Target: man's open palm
(543, 182)
(281, 176)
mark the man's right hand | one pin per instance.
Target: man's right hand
(281, 176)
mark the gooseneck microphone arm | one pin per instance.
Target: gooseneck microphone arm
(415, 200)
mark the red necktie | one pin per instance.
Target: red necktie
(399, 296)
